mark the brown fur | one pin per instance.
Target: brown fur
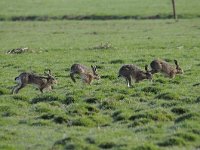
(29, 78)
(165, 68)
(86, 74)
(131, 71)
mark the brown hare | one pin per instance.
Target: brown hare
(42, 82)
(165, 68)
(86, 74)
(131, 71)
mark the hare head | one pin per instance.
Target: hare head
(94, 71)
(51, 79)
(148, 73)
(178, 68)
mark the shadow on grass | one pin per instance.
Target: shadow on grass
(111, 145)
(110, 77)
(118, 116)
(92, 100)
(55, 118)
(117, 61)
(168, 96)
(83, 121)
(179, 110)
(147, 147)
(172, 141)
(178, 139)
(69, 100)
(109, 104)
(45, 98)
(169, 104)
(139, 122)
(65, 143)
(198, 100)
(187, 116)
(90, 140)
(107, 145)
(154, 90)
(103, 46)
(156, 115)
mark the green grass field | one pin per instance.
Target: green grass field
(163, 114)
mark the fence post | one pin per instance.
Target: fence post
(174, 9)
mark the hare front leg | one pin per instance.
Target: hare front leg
(128, 80)
(17, 88)
(14, 89)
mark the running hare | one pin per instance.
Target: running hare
(165, 68)
(133, 72)
(42, 82)
(86, 75)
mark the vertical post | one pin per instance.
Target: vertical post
(174, 9)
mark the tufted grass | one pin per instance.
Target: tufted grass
(162, 114)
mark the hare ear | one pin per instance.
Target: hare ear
(49, 72)
(176, 62)
(146, 68)
(94, 68)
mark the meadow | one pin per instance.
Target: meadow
(162, 114)
(94, 9)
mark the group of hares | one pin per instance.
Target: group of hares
(128, 72)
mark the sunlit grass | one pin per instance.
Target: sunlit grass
(162, 114)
